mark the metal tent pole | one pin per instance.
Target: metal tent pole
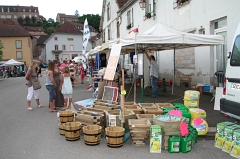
(173, 70)
(134, 78)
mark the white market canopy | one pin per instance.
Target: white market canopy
(12, 62)
(161, 37)
(77, 59)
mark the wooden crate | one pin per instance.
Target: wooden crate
(139, 129)
(105, 101)
(135, 108)
(169, 127)
(129, 114)
(164, 105)
(146, 105)
(153, 110)
(115, 106)
(149, 117)
(102, 107)
(98, 119)
(130, 103)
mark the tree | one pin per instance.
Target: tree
(1, 51)
(76, 13)
(93, 20)
(33, 19)
(49, 31)
(20, 20)
(50, 20)
(27, 20)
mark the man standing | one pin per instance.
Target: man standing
(153, 75)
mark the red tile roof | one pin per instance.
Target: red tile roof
(80, 26)
(69, 28)
(120, 3)
(9, 22)
(13, 31)
(33, 28)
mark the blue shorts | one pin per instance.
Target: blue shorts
(52, 93)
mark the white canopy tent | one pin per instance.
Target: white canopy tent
(77, 59)
(12, 62)
(161, 37)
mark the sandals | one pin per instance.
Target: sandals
(53, 111)
(30, 108)
(40, 106)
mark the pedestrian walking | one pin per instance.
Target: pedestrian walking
(81, 73)
(50, 85)
(153, 75)
(31, 76)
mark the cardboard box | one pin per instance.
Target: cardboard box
(155, 139)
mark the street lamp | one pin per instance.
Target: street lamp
(142, 4)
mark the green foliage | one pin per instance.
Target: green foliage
(1, 50)
(49, 30)
(93, 20)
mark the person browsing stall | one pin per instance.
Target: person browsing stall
(153, 75)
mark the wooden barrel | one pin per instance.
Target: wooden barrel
(61, 129)
(114, 136)
(66, 116)
(92, 134)
(72, 130)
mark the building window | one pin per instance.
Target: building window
(71, 48)
(118, 29)
(24, 16)
(8, 9)
(36, 15)
(18, 44)
(130, 19)
(109, 33)
(15, 16)
(108, 12)
(220, 23)
(35, 10)
(9, 16)
(19, 55)
(56, 56)
(70, 39)
(30, 16)
(29, 10)
(23, 10)
(64, 47)
(56, 47)
(103, 36)
(56, 38)
(3, 16)
(2, 9)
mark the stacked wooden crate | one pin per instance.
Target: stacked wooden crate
(139, 129)
(133, 106)
(149, 117)
(169, 128)
(91, 117)
(150, 108)
(164, 105)
(105, 105)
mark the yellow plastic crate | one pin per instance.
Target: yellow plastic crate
(191, 103)
(197, 113)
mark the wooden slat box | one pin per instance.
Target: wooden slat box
(164, 105)
(135, 108)
(153, 110)
(146, 105)
(139, 129)
(105, 101)
(149, 117)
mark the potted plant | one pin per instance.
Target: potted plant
(129, 26)
(148, 15)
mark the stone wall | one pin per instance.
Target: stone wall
(185, 58)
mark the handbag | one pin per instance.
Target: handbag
(36, 84)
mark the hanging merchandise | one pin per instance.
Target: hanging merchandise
(97, 63)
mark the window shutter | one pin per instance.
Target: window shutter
(151, 5)
(132, 18)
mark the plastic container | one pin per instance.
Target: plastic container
(197, 113)
(191, 95)
(187, 115)
(186, 144)
(174, 144)
(191, 103)
(206, 87)
(177, 105)
(202, 128)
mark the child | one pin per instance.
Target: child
(81, 73)
(66, 87)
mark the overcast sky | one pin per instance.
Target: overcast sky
(50, 8)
